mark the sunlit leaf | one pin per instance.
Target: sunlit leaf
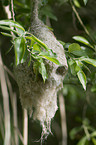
(82, 78)
(85, 1)
(42, 71)
(25, 55)
(40, 43)
(9, 29)
(89, 61)
(49, 57)
(35, 39)
(94, 141)
(7, 34)
(76, 3)
(81, 39)
(93, 134)
(36, 47)
(19, 45)
(11, 23)
(77, 68)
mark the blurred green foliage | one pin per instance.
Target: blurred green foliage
(80, 52)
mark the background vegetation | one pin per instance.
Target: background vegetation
(67, 19)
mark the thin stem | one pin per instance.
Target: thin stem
(7, 10)
(63, 119)
(81, 22)
(12, 9)
(19, 134)
(7, 70)
(25, 128)
(86, 132)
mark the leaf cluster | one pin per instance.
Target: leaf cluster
(27, 45)
(89, 133)
(78, 58)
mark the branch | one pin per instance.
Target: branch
(34, 9)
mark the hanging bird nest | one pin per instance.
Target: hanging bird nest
(38, 97)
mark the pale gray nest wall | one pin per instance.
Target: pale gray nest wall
(39, 97)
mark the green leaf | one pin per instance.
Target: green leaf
(88, 60)
(74, 47)
(11, 23)
(34, 39)
(40, 43)
(77, 68)
(82, 78)
(85, 1)
(25, 55)
(82, 40)
(36, 47)
(49, 57)
(42, 71)
(77, 4)
(19, 45)
(94, 141)
(82, 141)
(36, 67)
(72, 65)
(93, 134)
(9, 29)
(74, 131)
(7, 34)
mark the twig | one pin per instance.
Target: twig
(81, 22)
(7, 69)
(7, 10)
(6, 105)
(19, 134)
(12, 9)
(63, 119)
(25, 128)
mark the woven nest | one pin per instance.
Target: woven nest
(38, 97)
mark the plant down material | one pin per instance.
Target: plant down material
(39, 97)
